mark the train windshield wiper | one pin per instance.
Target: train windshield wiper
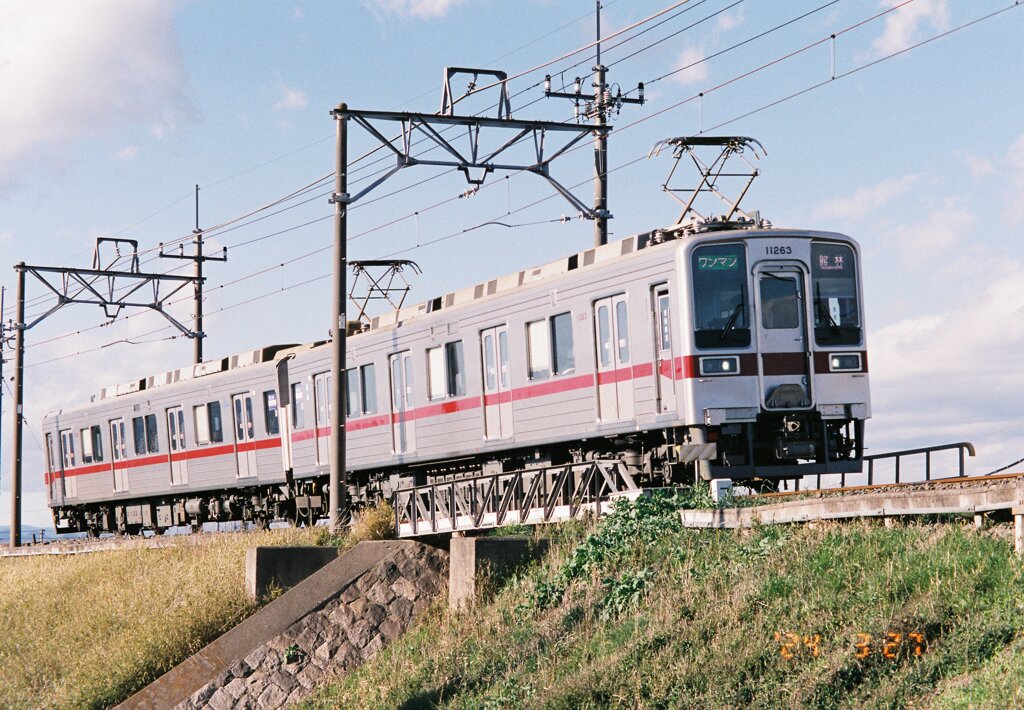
(824, 312)
(732, 319)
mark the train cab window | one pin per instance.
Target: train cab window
(720, 299)
(550, 347)
(270, 411)
(446, 371)
(298, 398)
(92, 445)
(834, 293)
(368, 388)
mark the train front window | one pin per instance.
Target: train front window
(834, 293)
(720, 300)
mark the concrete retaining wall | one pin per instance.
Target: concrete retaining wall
(332, 622)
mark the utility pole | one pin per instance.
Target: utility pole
(598, 107)
(3, 344)
(198, 258)
(96, 286)
(19, 361)
(338, 486)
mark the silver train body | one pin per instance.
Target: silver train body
(736, 353)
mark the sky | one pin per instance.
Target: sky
(115, 109)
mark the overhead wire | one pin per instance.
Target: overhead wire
(850, 72)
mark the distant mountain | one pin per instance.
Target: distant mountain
(26, 533)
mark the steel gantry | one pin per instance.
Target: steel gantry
(113, 284)
(465, 154)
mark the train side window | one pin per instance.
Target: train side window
(561, 344)
(67, 448)
(152, 437)
(298, 415)
(435, 373)
(92, 445)
(721, 310)
(368, 388)
(50, 458)
(834, 290)
(86, 446)
(270, 411)
(139, 435)
(455, 364)
(202, 424)
(216, 423)
(446, 371)
(539, 350)
(604, 336)
(490, 368)
(664, 322)
(118, 446)
(352, 408)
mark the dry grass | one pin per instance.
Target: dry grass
(375, 523)
(88, 630)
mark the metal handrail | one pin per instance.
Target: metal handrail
(961, 447)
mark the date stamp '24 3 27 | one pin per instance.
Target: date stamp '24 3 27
(891, 645)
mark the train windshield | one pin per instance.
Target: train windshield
(720, 300)
(834, 290)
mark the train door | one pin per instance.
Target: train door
(118, 454)
(614, 374)
(54, 469)
(245, 433)
(497, 383)
(664, 365)
(69, 486)
(782, 336)
(322, 410)
(403, 428)
(176, 445)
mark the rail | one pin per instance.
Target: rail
(526, 497)
(962, 447)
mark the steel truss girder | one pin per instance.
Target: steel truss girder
(98, 287)
(710, 172)
(470, 157)
(529, 496)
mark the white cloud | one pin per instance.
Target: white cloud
(978, 167)
(291, 99)
(1015, 166)
(906, 25)
(79, 69)
(956, 374)
(694, 68)
(412, 8)
(866, 199)
(729, 21)
(126, 153)
(929, 240)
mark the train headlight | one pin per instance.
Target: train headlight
(719, 366)
(844, 362)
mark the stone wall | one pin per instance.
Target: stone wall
(374, 609)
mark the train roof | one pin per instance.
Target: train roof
(502, 284)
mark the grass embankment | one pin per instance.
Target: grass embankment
(88, 630)
(635, 611)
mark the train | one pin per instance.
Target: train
(735, 350)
